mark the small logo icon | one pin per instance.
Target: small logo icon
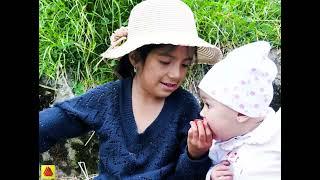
(48, 172)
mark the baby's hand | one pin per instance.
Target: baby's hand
(222, 171)
(199, 138)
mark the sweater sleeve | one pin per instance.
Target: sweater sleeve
(187, 168)
(70, 118)
(56, 124)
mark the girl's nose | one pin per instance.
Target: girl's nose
(174, 72)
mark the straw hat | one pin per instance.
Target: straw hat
(161, 22)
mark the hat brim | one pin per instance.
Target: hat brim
(206, 52)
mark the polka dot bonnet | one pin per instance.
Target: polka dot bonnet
(243, 80)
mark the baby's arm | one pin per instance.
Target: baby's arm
(220, 171)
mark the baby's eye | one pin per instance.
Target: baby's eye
(206, 104)
(201, 104)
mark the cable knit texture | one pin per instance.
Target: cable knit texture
(157, 153)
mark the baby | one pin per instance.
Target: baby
(236, 93)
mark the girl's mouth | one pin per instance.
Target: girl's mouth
(169, 86)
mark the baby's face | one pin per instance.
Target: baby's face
(221, 119)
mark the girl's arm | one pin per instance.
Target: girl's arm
(74, 117)
(187, 167)
(58, 123)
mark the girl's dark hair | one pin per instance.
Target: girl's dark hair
(125, 69)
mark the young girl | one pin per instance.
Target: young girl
(141, 120)
(236, 93)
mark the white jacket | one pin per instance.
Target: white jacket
(255, 155)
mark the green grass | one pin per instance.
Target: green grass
(72, 36)
(232, 23)
(74, 33)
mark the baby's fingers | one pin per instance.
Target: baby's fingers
(221, 174)
(222, 166)
(224, 178)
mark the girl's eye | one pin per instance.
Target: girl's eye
(164, 62)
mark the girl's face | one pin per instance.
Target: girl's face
(221, 119)
(164, 69)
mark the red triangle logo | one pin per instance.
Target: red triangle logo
(47, 172)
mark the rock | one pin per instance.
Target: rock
(275, 55)
(64, 91)
(65, 155)
(46, 93)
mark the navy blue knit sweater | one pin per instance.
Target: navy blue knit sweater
(157, 153)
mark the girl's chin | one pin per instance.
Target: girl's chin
(163, 94)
